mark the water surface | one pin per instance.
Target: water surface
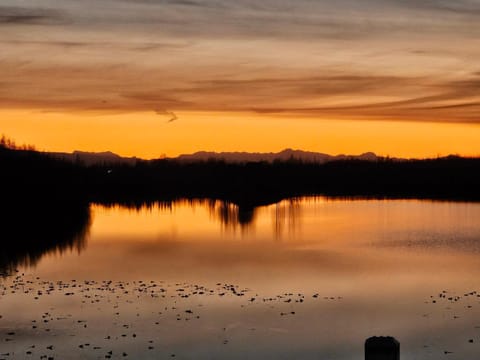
(307, 278)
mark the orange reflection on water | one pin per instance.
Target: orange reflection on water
(380, 260)
(292, 243)
(309, 220)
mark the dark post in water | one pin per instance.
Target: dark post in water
(382, 348)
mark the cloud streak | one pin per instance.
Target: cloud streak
(324, 96)
(296, 19)
(375, 59)
(11, 15)
(171, 115)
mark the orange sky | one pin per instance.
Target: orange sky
(148, 135)
(399, 78)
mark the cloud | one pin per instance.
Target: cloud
(343, 95)
(188, 20)
(312, 85)
(171, 115)
(99, 45)
(10, 15)
(458, 106)
(399, 59)
(448, 101)
(171, 2)
(460, 7)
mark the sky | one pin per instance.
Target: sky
(165, 77)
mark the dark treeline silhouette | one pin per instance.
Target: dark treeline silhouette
(30, 230)
(252, 184)
(37, 175)
(43, 208)
(31, 176)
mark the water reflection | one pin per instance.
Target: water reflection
(230, 215)
(304, 223)
(344, 270)
(287, 217)
(286, 214)
(30, 231)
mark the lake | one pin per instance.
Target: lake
(307, 278)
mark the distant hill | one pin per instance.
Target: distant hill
(91, 158)
(109, 158)
(287, 154)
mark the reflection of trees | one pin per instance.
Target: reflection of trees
(166, 205)
(286, 214)
(30, 230)
(231, 215)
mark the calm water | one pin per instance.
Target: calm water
(303, 279)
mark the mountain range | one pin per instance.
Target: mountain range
(287, 154)
(95, 158)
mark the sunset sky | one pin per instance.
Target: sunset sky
(397, 77)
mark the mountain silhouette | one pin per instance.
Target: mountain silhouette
(110, 158)
(94, 158)
(284, 155)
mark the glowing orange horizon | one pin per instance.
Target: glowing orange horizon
(150, 135)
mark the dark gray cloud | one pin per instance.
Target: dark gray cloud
(10, 15)
(247, 18)
(172, 2)
(461, 7)
(127, 45)
(294, 19)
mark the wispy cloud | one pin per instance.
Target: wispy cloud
(170, 114)
(11, 15)
(398, 59)
(295, 19)
(460, 7)
(343, 95)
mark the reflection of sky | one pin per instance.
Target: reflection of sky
(361, 251)
(310, 221)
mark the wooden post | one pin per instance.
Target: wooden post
(382, 348)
